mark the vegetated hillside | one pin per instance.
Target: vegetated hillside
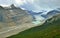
(50, 29)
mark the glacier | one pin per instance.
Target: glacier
(38, 9)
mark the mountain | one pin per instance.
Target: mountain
(13, 16)
(48, 15)
(1, 7)
(50, 29)
(51, 13)
(42, 16)
(34, 13)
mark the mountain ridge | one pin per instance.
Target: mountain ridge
(50, 29)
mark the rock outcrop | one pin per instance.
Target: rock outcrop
(13, 16)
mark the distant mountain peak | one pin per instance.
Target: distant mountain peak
(1, 7)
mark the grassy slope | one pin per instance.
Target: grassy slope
(47, 30)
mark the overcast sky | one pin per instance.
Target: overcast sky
(35, 5)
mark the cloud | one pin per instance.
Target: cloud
(19, 2)
(34, 5)
(6, 2)
(38, 5)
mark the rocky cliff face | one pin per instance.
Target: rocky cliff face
(13, 16)
(53, 19)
